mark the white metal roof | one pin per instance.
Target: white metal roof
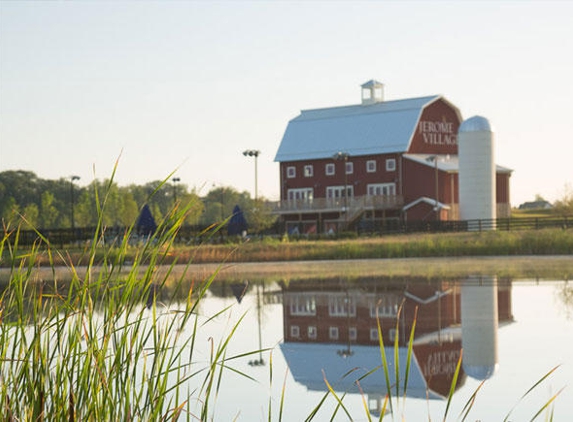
(310, 363)
(380, 128)
(447, 163)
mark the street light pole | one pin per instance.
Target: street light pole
(254, 153)
(72, 180)
(434, 158)
(175, 180)
(343, 156)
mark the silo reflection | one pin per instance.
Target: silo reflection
(479, 303)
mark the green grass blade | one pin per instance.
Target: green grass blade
(533, 387)
(410, 349)
(469, 404)
(547, 404)
(453, 385)
(385, 367)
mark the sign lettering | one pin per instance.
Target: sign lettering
(438, 132)
(441, 363)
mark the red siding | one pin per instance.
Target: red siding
(437, 130)
(359, 179)
(502, 188)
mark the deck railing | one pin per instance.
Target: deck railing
(354, 203)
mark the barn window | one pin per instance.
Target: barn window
(308, 171)
(391, 164)
(374, 334)
(341, 306)
(349, 168)
(291, 172)
(329, 169)
(294, 331)
(312, 332)
(371, 166)
(386, 307)
(333, 333)
(375, 189)
(302, 305)
(352, 333)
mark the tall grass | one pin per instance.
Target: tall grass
(491, 243)
(102, 346)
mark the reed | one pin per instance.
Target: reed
(102, 346)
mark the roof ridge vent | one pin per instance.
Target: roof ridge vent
(372, 92)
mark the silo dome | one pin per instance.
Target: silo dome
(475, 124)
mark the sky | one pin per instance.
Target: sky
(187, 86)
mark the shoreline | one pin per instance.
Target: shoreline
(519, 266)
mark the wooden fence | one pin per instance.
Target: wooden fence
(198, 234)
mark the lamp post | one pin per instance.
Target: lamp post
(72, 180)
(260, 361)
(175, 180)
(434, 159)
(343, 156)
(254, 153)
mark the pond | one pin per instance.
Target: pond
(322, 334)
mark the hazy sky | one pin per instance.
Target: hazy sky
(188, 85)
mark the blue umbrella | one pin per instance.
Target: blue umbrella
(237, 223)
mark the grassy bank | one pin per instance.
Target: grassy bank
(539, 242)
(493, 243)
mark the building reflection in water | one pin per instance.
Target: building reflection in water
(330, 331)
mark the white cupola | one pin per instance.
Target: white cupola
(372, 92)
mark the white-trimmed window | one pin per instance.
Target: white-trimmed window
(312, 332)
(302, 194)
(308, 170)
(294, 331)
(374, 334)
(333, 333)
(329, 169)
(291, 172)
(349, 167)
(387, 306)
(341, 306)
(390, 164)
(302, 305)
(333, 192)
(352, 333)
(377, 189)
(371, 166)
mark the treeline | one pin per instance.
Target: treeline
(49, 204)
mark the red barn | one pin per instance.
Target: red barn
(377, 162)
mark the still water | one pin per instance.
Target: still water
(324, 333)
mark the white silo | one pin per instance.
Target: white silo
(476, 172)
(479, 326)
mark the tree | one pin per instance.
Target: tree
(48, 212)
(10, 212)
(30, 215)
(564, 206)
(219, 203)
